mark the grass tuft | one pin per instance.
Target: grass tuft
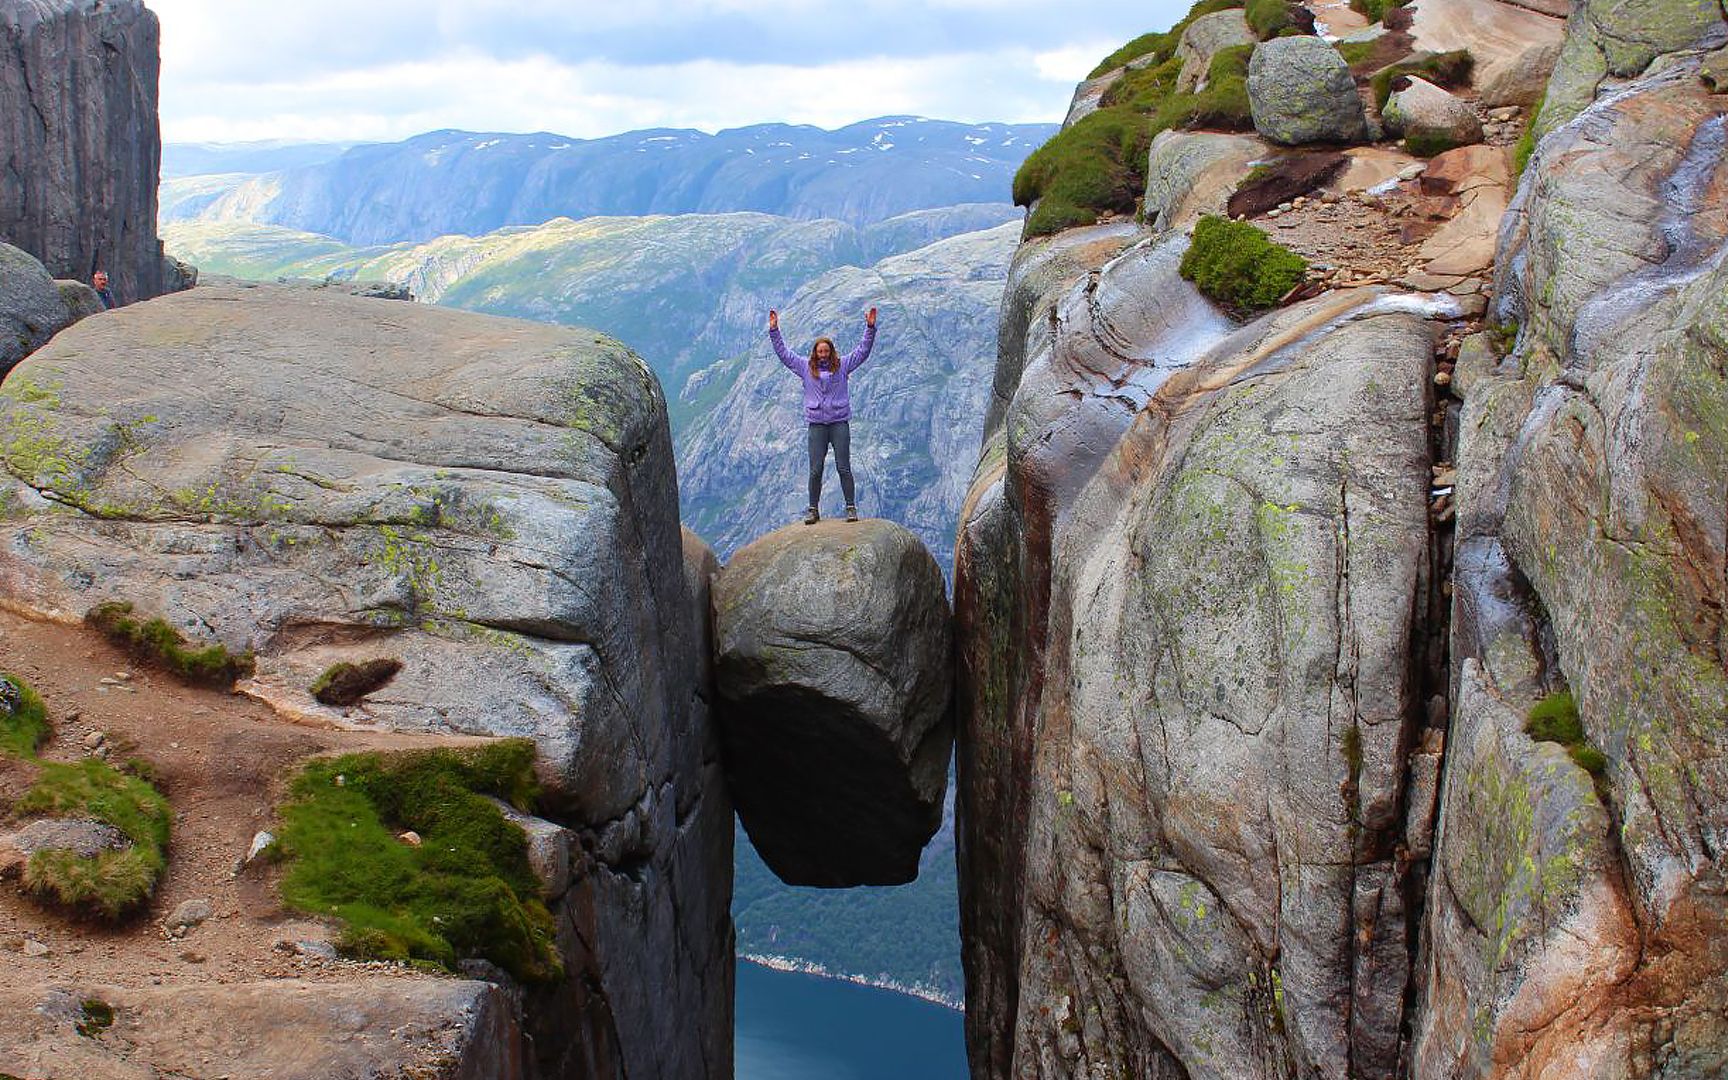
(1555, 719)
(1238, 266)
(345, 683)
(1269, 18)
(154, 641)
(1526, 144)
(23, 718)
(1375, 10)
(1160, 46)
(467, 890)
(111, 884)
(1427, 144)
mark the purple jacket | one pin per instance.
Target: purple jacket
(826, 400)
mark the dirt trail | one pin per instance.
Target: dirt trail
(222, 760)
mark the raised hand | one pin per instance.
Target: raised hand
(870, 317)
(773, 319)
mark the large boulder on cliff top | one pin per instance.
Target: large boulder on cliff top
(834, 673)
(317, 478)
(33, 307)
(1300, 91)
(78, 139)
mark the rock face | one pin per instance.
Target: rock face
(1191, 173)
(1576, 918)
(78, 135)
(33, 307)
(1300, 91)
(1205, 38)
(833, 668)
(322, 478)
(438, 1029)
(1514, 46)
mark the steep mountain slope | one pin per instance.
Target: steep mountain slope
(472, 183)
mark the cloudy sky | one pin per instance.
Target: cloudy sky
(386, 69)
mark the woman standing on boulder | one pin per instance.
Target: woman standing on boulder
(827, 406)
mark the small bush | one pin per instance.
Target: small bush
(1269, 18)
(1238, 266)
(467, 890)
(1450, 70)
(111, 884)
(345, 683)
(1555, 719)
(1375, 10)
(23, 718)
(155, 642)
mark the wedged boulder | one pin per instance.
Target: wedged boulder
(1425, 113)
(324, 478)
(439, 1029)
(32, 306)
(1204, 39)
(833, 653)
(1300, 91)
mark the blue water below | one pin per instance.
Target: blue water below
(799, 1027)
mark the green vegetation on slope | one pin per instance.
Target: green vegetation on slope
(154, 641)
(466, 890)
(108, 884)
(1238, 265)
(1098, 164)
(1555, 719)
(1526, 144)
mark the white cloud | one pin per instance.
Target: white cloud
(386, 69)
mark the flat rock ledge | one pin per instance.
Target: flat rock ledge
(835, 685)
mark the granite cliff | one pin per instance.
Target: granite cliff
(78, 135)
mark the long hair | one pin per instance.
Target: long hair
(833, 363)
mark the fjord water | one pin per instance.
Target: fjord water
(793, 1026)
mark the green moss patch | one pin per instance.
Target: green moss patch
(467, 890)
(23, 719)
(1526, 144)
(1427, 144)
(1238, 266)
(1098, 165)
(94, 1017)
(153, 641)
(1449, 70)
(1555, 719)
(110, 884)
(345, 683)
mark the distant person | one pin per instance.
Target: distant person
(827, 407)
(99, 281)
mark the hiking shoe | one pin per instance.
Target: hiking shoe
(811, 517)
(851, 513)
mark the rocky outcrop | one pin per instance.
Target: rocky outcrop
(33, 306)
(1577, 909)
(833, 670)
(374, 1026)
(1205, 38)
(1300, 91)
(321, 478)
(1191, 173)
(78, 136)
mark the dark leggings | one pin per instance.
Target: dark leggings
(841, 436)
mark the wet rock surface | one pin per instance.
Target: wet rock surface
(834, 680)
(78, 136)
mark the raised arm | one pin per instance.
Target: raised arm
(791, 359)
(856, 359)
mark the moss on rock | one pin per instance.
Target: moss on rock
(155, 642)
(345, 683)
(1238, 266)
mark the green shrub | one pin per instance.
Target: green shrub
(466, 890)
(1526, 144)
(1238, 265)
(1450, 70)
(23, 718)
(111, 884)
(1427, 144)
(1555, 719)
(1268, 18)
(155, 642)
(345, 683)
(1161, 45)
(1375, 10)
